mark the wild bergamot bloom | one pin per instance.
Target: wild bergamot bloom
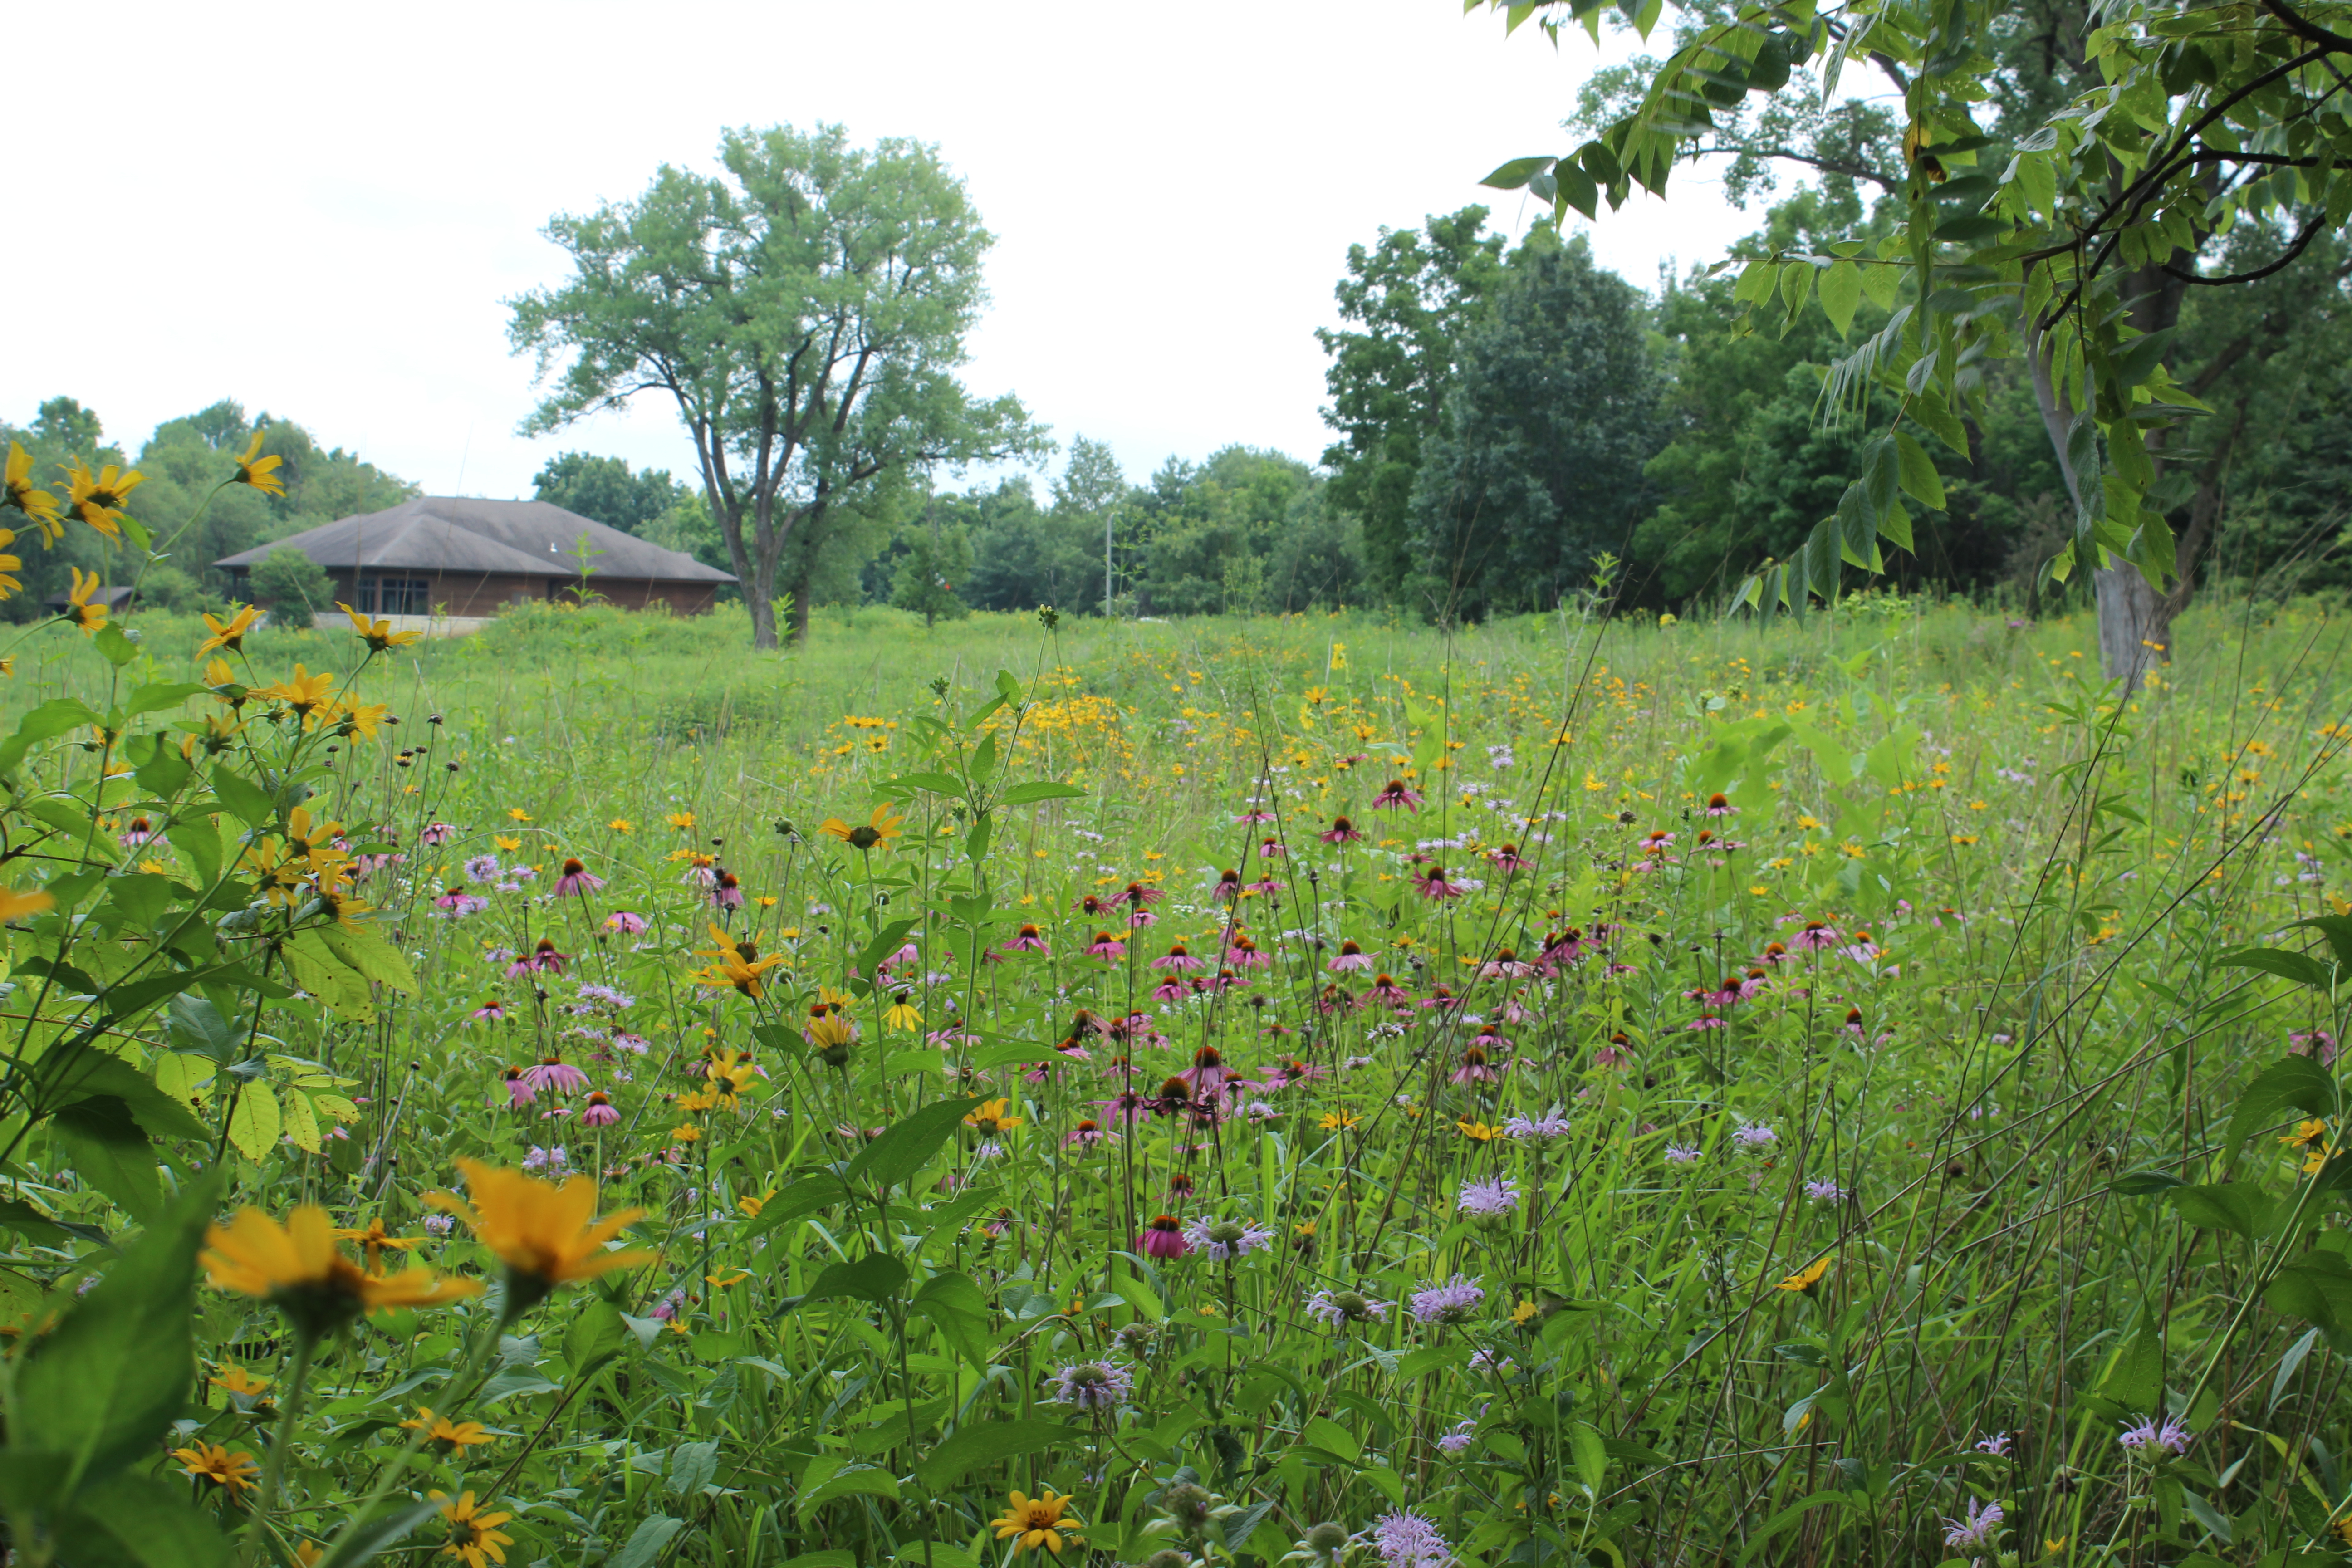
(211, 1462)
(228, 633)
(474, 1535)
(545, 1234)
(261, 472)
(298, 1269)
(78, 610)
(875, 831)
(35, 501)
(1044, 1520)
(97, 499)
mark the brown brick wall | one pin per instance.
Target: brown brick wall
(487, 595)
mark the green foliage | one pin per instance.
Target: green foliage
(935, 558)
(806, 312)
(603, 490)
(296, 588)
(1540, 470)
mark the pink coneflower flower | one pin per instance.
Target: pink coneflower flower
(1717, 805)
(520, 1090)
(599, 1110)
(623, 921)
(1244, 951)
(1271, 849)
(1106, 946)
(436, 834)
(1387, 993)
(142, 831)
(1255, 814)
(1208, 1075)
(1331, 1000)
(1433, 885)
(1028, 940)
(1442, 998)
(1342, 831)
(555, 1073)
(2314, 1043)
(1286, 1073)
(1505, 965)
(1140, 895)
(1163, 1237)
(1171, 989)
(1395, 796)
(1350, 957)
(1178, 957)
(542, 959)
(576, 878)
(1475, 1067)
(1508, 859)
(1817, 936)
(1707, 1021)
(456, 904)
(726, 893)
(1228, 888)
(490, 1011)
(1086, 1134)
(1263, 887)
(1861, 949)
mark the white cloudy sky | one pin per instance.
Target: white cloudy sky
(318, 209)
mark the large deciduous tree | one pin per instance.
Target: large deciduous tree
(1538, 466)
(2067, 179)
(1407, 298)
(805, 310)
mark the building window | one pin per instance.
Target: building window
(396, 595)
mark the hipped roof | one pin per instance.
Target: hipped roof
(460, 536)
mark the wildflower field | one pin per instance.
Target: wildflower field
(1217, 1092)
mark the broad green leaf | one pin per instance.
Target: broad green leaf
(2238, 1208)
(254, 1125)
(645, 1543)
(108, 1150)
(368, 954)
(2317, 1288)
(2290, 1084)
(876, 1278)
(1920, 480)
(1025, 794)
(1840, 291)
(2298, 967)
(49, 720)
(853, 1481)
(141, 1522)
(908, 1144)
(980, 1443)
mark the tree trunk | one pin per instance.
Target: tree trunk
(800, 614)
(2135, 625)
(763, 617)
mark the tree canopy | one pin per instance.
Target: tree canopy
(806, 312)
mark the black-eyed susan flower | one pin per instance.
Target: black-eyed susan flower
(875, 831)
(545, 1234)
(261, 472)
(474, 1535)
(212, 1463)
(455, 1436)
(1032, 1522)
(298, 1269)
(228, 633)
(1805, 1280)
(37, 502)
(97, 499)
(833, 1035)
(379, 634)
(903, 1014)
(9, 565)
(78, 610)
(991, 1117)
(302, 691)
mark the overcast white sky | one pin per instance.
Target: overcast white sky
(319, 209)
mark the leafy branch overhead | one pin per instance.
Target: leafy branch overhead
(2059, 228)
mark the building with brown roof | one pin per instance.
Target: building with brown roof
(457, 557)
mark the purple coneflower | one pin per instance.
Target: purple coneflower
(1433, 885)
(1395, 795)
(490, 1011)
(726, 893)
(1163, 1237)
(1341, 831)
(1106, 946)
(1027, 940)
(520, 1090)
(542, 959)
(436, 833)
(556, 1074)
(1087, 1134)
(1178, 957)
(1815, 936)
(1717, 805)
(1476, 1068)
(1349, 958)
(1387, 992)
(600, 1110)
(623, 921)
(576, 878)
(1508, 859)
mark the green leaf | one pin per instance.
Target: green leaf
(2136, 1379)
(875, 1277)
(645, 1544)
(1025, 793)
(862, 1481)
(907, 1144)
(85, 1074)
(1920, 480)
(116, 1372)
(884, 942)
(47, 721)
(1840, 291)
(2317, 1288)
(161, 694)
(254, 1125)
(2336, 929)
(980, 1443)
(2292, 1083)
(377, 1533)
(938, 784)
(2240, 1207)
(108, 1150)
(29, 1222)
(371, 955)
(2298, 967)
(113, 646)
(804, 1196)
(242, 798)
(2142, 1184)
(1591, 1458)
(139, 1521)
(1517, 172)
